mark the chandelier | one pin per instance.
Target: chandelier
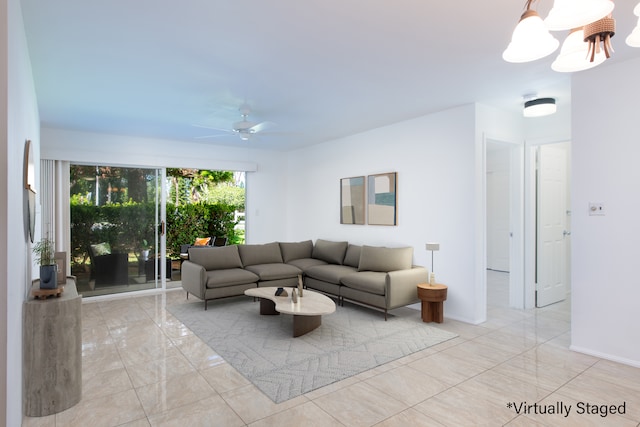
(588, 44)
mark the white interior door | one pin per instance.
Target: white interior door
(498, 207)
(505, 214)
(552, 234)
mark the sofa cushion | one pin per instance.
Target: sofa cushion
(216, 258)
(274, 271)
(385, 259)
(267, 253)
(331, 252)
(352, 256)
(331, 273)
(305, 263)
(229, 277)
(296, 250)
(372, 282)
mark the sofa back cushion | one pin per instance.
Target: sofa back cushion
(373, 258)
(352, 257)
(297, 250)
(331, 252)
(267, 253)
(213, 258)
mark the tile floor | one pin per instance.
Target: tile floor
(141, 367)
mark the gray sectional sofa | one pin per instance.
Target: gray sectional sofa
(380, 277)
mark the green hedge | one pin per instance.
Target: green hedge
(185, 223)
(127, 227)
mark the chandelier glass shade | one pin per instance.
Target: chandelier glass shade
(633, 39)
(531, 40)
(574, 54)
(568, 14)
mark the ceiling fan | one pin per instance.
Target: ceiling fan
(244, 128)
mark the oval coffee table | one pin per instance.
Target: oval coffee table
(307, 312)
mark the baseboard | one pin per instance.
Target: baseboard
(624, 361)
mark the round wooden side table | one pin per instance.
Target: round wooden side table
(432, 297)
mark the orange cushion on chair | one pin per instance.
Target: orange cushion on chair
(202, 241)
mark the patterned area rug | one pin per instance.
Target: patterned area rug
(349, 341)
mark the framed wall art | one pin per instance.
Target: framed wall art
(352, 200)
(382, 199)
(61, 262)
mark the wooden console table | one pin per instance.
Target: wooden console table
(52, 351)
(432, 297)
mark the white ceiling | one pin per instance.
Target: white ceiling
(317, 69)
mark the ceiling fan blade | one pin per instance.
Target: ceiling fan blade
(210, 136)
(260, 127)
(211, 128)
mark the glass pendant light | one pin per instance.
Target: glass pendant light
(568, 14)
(633, 39)
(531, 40)
(573, 54)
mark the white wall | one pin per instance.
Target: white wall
(435, 158)
(4, 211)
(89, 147)
(17, 123)
(605, 151)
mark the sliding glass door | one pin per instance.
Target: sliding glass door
(117, 229)
(120, 241)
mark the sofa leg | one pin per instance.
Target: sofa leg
(385, 314)
(205, 305)
(187, 295)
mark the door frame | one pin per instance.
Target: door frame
(516, 218)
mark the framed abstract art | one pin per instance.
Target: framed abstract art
(352, 200)
(382, 199)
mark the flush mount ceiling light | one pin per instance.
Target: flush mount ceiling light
(539, 107)
(573, 54)
(531, 40)
(568, 14)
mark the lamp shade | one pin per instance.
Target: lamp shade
(568, 14)
(633, 39)
(433, 246)
(539, 107)
(531, 40)
(574, 54)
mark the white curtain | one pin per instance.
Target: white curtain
(54, 201)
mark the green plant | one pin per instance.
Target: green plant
(44, 251)
(187, 222)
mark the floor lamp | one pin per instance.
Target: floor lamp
(432, 247)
